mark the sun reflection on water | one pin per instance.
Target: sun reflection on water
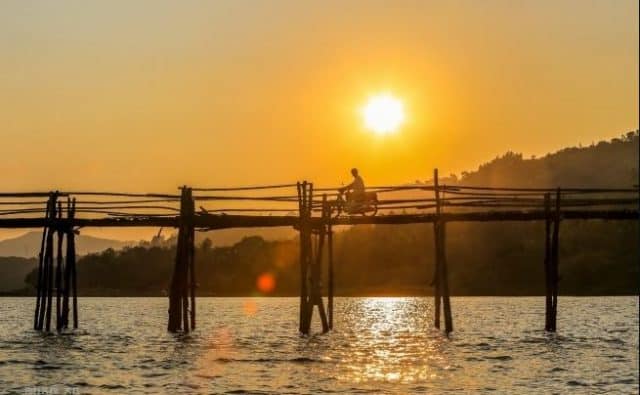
(382, 350)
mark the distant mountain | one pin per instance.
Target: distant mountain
(607, 164)
(28, 245)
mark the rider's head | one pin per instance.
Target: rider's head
(354, 172)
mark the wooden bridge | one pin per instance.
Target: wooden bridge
(313, 212)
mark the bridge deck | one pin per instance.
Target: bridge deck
(224, 221)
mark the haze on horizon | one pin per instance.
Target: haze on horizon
(148, 95)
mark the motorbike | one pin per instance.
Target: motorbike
(352, 204)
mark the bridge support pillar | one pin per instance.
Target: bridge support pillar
(60, 277)
(552, 278)
(330, 289)
(182, 301)
(441, 275)
(310, 261)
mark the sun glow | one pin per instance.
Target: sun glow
(383, 114)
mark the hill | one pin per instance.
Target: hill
(596, 257)
(607, 164)
(28, 245)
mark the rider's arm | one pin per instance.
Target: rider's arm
(348, 187)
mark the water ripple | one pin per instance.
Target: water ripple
(379, 345)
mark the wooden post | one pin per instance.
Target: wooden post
(314, 265)
(310, 264)
(437, 275)
(307, 248)
(69, 271)
(547, 263)
(180, 289)
(302, 197)
(66, 275)
(175, 303)
(49, 265)
(59, 263)
(554, 261)
(192, 264)
(446, 302)
(40, 284)
(315, 297)
(442, 276)
(71, 245)
(330, 264)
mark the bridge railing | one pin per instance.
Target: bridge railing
(283, 200)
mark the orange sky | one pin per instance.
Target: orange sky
(150, 95)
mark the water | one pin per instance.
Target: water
(379, 345)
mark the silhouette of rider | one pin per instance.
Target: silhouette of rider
(355, 190)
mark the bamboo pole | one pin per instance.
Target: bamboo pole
(49, 263)
(316, 291)
(310, 250)
(184, 262)
(45, 268)
(39, 301)
(301, 213)
(442, 276)
(554, 261)
(177, 287)
(72, 261)
(446, 303)
(192, 272)
(436, 232)
(58, 280)
(307, 290)
(547, 263)
(330, 273)
(67, 273)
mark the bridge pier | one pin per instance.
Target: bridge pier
(310, 261)
(182, 298)
(70, 280)
(552, 278)
(62, 277)
(330, 264)
(441, 276)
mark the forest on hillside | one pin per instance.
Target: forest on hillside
(596, 257)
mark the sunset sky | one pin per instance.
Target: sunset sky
(148, 95)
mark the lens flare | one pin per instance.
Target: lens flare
(249, 308)
(266, 283)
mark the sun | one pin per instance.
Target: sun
(383, 114)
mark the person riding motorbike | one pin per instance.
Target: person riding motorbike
(354, 192)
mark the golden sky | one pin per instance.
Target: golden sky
(148, 95)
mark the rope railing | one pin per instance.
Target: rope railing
(29, 194)
(448, 188)
(289, 198)
(122, 194)
(383, 188)
(417, 197)
(243, 188)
